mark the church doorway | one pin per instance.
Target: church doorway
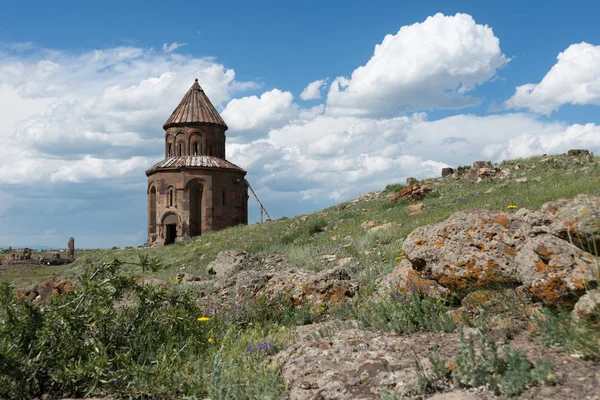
(171, 233)
(170, 225)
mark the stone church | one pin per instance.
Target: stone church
(194, 189)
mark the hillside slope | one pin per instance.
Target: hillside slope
(473, 286)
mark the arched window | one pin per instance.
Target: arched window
(170, 150)
(180, 149)
(195, 148)
(171, 197)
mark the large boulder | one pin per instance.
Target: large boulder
(305, 288)
(545, 250)
(415, 192)
(241, 277)
(357, 364)
(229, 262)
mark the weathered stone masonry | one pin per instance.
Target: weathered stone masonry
(194, 189)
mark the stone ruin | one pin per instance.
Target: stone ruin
(55, 259)
(71, 253)
(485, 169)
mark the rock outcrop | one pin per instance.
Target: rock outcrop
(356, 364)
(415, 192)
(241, 276)
(548, 251)
(42, 293)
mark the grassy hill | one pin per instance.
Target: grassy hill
(337, 230)
(117, 336)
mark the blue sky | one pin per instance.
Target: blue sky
(85, 88)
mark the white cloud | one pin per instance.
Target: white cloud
(96, 115)
(574, 79)
(433, 64)
(167, 48)
(251, 117)
(313, 90)
(334, 158)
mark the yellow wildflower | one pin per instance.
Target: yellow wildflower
(93, 324)
(203, 319)
(512, 207)
(210, 340)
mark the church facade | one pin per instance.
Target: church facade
(194, 189)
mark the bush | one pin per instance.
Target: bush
(482, 365)
(316, 226)
(401, 313)
(558, 329)
(117, 335)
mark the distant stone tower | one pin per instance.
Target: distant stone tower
(194, 189)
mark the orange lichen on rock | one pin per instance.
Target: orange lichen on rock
(510, 251)
(553, 210)
(544, 252)
(416, 283)
(467, 277)
(541, 266)
(549, 291)
(502, 220)
(438, 244)
(578, 284)
(420, 242)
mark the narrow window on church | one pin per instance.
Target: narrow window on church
(195, 148)
(171, 198)
(170, 150)
(180, 149)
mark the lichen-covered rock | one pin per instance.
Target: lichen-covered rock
(330, 287)
(356, 364)
(229, 262)
(588, 306)
(481, 249)
(415, 192)
(248, 283)
(42, 293)
(406, 279)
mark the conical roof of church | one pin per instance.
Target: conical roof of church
(195, 107)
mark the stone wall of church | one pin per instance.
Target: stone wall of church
(224, 201)
(205, 140)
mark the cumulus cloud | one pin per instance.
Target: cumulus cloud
(95, 115)
(333, 158)
(313, 90)
(433, 64)
(252, 117)
(167, 48)
(574, 79)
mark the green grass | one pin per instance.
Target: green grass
(192, 256)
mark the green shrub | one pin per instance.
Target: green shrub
(480, 364)
(508, 374)
(116, 335)
(559, 329)
(316, 226)
(401, 313)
